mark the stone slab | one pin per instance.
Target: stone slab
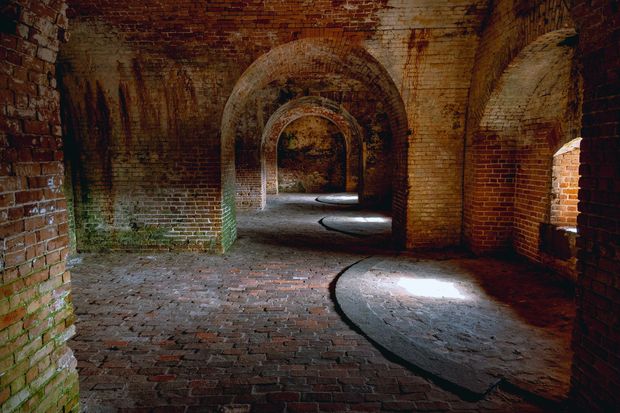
(364, 225)
(470, 323)
(345, 199)
(462, 377)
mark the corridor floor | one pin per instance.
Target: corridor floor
(253, 330)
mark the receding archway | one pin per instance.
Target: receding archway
(312, 106)
(320, 56)
(312, 157)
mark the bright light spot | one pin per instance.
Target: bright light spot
(569, 229)
(368, 219)
(569, 146)
(427, 287)
(343, 197)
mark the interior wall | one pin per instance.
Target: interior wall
(143, 148)
(596, 366)
(38, 370)
(174, 78)
(311, 157)
(551, 118)
(431, 63)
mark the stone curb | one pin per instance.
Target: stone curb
(463, 379)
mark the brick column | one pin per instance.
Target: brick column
(596, 366)
(36, 316)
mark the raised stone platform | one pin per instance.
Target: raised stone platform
(469, 324)
(345, 199)
(365, 225)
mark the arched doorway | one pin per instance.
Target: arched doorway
(323, 67)
(535, 108)
(312, 157)
(316, 107)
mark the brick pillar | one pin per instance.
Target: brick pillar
(596, 365)
(36, 316)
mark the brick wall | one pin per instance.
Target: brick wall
(311, 156)
(435, 89)
(36, 316)
(563, 214)
(551, 118)
(565, 187)
(429, 48)
(143, 154)
(412, 84)
(596, 366)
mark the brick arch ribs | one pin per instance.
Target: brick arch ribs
(310, 106)
(318, 56)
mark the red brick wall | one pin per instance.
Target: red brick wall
(143, 153)
(564, 192)
(551, 118)
(429, 66)
(596, 366)
(36, 316)
(435, 85)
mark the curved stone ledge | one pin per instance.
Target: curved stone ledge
(350, 290)
(458, 335)
(344, 199)
(359, 226)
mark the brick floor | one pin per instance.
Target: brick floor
(253, 329)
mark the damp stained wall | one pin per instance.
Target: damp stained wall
(37, 368)
(311, 157)
(144, 95)
(142, 154)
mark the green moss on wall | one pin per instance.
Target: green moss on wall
(100, 240)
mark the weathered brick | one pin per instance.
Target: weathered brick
(457, 110)
(12, 317)
(29, 114)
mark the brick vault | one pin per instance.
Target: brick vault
(488, 126)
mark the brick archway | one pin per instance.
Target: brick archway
(534, 108)
(316, 56)
(310, 106)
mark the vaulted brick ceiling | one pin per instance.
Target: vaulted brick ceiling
(187, 28)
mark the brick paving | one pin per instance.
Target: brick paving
(253, 330)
